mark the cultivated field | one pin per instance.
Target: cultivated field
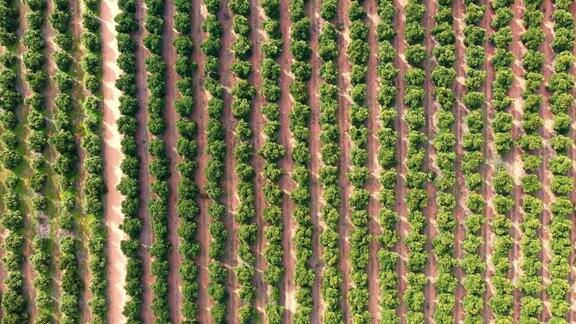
(287, 161)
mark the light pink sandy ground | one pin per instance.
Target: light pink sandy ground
(112, 159)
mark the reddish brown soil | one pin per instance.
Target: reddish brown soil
(373, 166)
(346, 189)
(514, 158)
(112, 158)
(315, 161)
(230, 178)
(460, 191)
(171, 138)
(543, 173)
(200, 117)
(142, 138)
(287, 291)
(401, 127)
(430, 108)
(488, 168)
(257, 121)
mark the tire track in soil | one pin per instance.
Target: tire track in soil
(171, 137)
(314, 143)
(142, 139)
(431, 209)
(113, 157)
(344, 226)
(401, 147)
(460, 191)
(201, 119)
(514, 158)
(230, 178)
(373, 125)
(257, 161)
(544, 174)
(488, 168)
(287, 184)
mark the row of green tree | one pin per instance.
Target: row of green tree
(14, 302)
(387, 158)
(273, 152)
(416, 174)
(561, 86)
(215, 168)
(94, 187)
(127, 29)
(330, 133)
(360, 239)
(188, 191)
(243, 95)
(473, 262)
(443, 77)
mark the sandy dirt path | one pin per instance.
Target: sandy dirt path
(460, 191)
(142, 139)
(257, 161)
(344, 227)
(543, 172)
(230, 177)
(112, 158)
(201, 118)
(171, 137)
(372, 186)
(401, 148)
(430, 109)
(287, 290)
(316, 159)
(514, 158)
(488, 167)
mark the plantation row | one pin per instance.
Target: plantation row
(366, 118)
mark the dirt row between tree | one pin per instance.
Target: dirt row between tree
(373, 166)
(200, 118)
(142, 140)
(112, 159)
(287, 291)
(230, 177)
(171, 138)
(460, 191)
(315, 162)
(488, 167)
(514, 158)
(401, 149)
(344, 227)
(546, 152)
(431, 209)
(257, 122)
